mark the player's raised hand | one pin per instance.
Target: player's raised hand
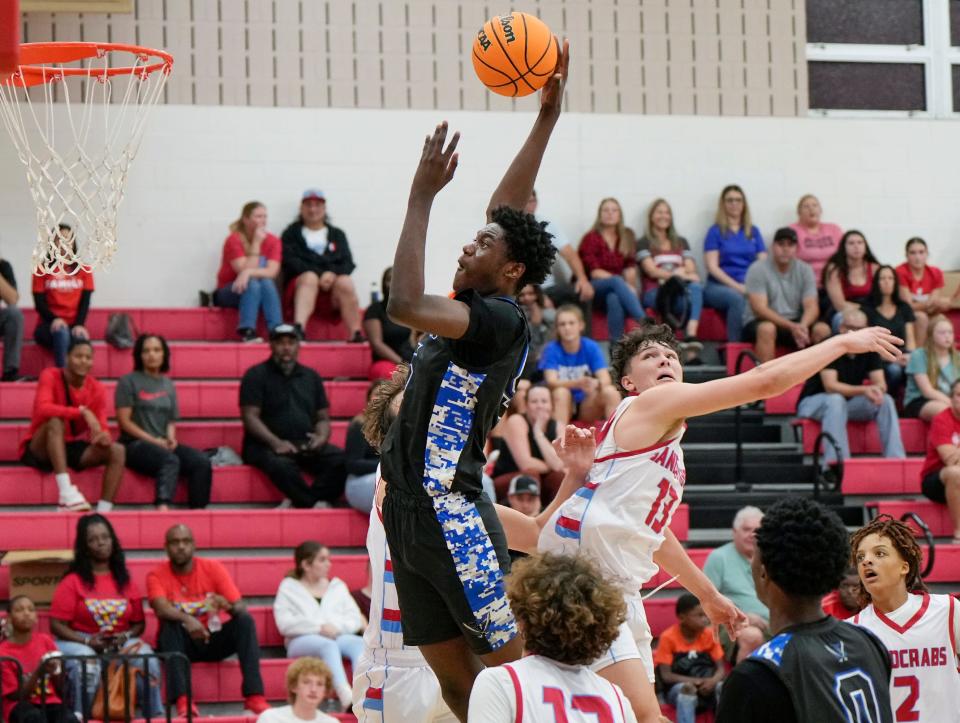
(551, 96)
(874, 338)
(722, 611)
(437, 163)
(576, 448)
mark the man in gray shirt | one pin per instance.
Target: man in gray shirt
(781, 300)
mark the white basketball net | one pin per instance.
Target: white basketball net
(77, 137)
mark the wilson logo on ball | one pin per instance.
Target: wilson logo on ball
(515, 54)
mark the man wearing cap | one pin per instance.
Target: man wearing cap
(317, 263)
(781, 305)
(286, 425)
(523, 495)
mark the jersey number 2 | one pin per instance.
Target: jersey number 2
(584, 703)
(653, 521)
(907, 710)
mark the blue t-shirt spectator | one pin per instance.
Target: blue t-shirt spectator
(737, 251)
(586, 361)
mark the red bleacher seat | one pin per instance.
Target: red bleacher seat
(197, 400)
(202, 435)
(873, 476)
(214, 360)
(935, 515)
(785, 403)
(185, 324)
(212, 528)
(258, 576)
(864, 438)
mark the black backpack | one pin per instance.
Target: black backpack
(120, 331)
(672, 290)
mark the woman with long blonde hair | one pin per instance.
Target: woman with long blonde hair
(731, 245)
(608, 252)
(932, 369)
(248, 272)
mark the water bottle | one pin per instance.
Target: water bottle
(214, 623)
(374, 292)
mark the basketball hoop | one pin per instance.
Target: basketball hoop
(77, 136)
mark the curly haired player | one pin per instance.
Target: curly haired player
(568, 615)
(816, 668)
(920, 630)
(622, 517)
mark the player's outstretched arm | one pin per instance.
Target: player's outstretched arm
(517, 183)
(670, 402)
(674, 559)
(408, 305)
(576, 449)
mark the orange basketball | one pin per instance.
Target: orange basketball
(515, 54)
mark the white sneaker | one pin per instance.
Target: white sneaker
(285, 504)
(324, 505)
(72, 500)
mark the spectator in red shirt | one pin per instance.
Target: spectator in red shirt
(62, 302)
(247, 279)
(36, 653)
(69, 428)
(844, 602)
(188, 594)
(689, 660)
(940, 476)
(317, 262)
(921, 286)
(608, 253)
(848, 275)
(97, 608)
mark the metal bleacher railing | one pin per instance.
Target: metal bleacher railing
(80, 668)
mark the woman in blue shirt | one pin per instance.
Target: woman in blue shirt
(731, 245)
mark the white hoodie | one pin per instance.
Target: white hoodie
(298, 613)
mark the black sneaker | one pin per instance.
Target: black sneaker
(301, 334)
(357, 338)
(249, 336)
(12, 375)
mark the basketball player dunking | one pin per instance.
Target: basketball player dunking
(448, 550)
(622, 516)
(920, 630)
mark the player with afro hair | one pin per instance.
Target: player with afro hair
(527, 242)
(816, 668)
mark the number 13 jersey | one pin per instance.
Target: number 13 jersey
(619, 516)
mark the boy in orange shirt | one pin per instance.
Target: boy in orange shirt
(689, 660)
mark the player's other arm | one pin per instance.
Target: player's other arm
(517, 183)
(671, 402)
(408, 304)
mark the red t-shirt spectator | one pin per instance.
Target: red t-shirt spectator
(596, 254)
(51, 401)
(921, 288)
(102, 608)
(833, 606)
(944, 429)
(271, 250)
(63, 292)
(29, 655)
(673, 643)
(188, 593)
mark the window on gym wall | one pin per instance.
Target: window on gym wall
(884, 57)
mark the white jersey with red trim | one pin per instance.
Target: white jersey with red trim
(619, 516)
(540, 690)
(921, 636)
(384, 634)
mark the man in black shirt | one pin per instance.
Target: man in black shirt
(448, 549)
(838, 394)
(286, 425)
(816, 669)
